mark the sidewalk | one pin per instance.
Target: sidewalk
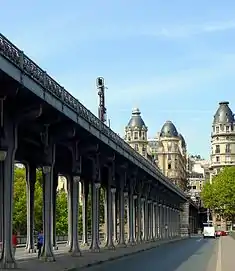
(226, 253)
(68, 263)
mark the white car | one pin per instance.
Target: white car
(209, 231)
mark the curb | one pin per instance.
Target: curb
(99, 262)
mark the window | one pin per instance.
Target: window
(217, 159)
(169, 165)
(135, 135)
(227, 159)
(169, 157)
(136, 147)
(227, 128)
(227, 148)
(221, 127)
(143, 135)
(194, 187)
(217, 129)
(217, 148)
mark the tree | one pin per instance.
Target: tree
(61, 213)
(219, 196)
(20, 201)
(38, 201)
(19, 197)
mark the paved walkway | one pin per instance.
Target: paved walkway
(226, 256)
(66, 262)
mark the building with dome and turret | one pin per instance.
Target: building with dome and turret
(136, 133)
(168, 150)
(222, 149)
(222, 139)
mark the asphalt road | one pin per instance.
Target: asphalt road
(194, 254)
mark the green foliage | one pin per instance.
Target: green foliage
(220, 194)
(38, 204)
(20, 206)
(61, 213)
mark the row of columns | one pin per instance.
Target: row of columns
(147, 220)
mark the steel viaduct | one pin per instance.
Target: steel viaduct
(42, 125)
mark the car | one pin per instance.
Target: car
(221, 233)
(209, 231)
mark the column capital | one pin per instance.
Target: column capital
(113, 190)
(154, 203)
(125, 194)
(46, 169)
(134, 196)
(142, 199)
(97, 185)
(159, 204)
(149, 201)
(76, 179)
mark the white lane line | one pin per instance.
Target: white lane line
(199, 240)
(219, 257)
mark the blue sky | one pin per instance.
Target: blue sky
(175, 60)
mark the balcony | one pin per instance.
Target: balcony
(222, 133)
(223, 163)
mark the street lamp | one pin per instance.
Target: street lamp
(102, 109)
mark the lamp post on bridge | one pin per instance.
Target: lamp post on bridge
(101, 109)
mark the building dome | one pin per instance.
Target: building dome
(168, 130)
(182, 140)
(223, 114)
(136, 120)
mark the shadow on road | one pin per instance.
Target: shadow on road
(187, 255)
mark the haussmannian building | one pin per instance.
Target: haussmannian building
(222, 139)
(198, 174)
(168, 150)
(222, 148)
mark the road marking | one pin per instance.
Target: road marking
(199, 240)
(219, 257)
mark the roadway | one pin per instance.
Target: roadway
(194, 254)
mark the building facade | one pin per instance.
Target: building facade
(136, 133)
(171, 154)
(168, 150)
(222, 139)
(222, 149)
(198, 173)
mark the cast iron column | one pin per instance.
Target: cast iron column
(74, 245)
(30, 188)
(69, 204)
(121, 241)
(8, 140)
(85, 192)
(54, 192)
(47, 251)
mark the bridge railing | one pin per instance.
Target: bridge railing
(30, 68)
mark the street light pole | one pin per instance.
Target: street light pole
(101, 109)
(208, 215)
